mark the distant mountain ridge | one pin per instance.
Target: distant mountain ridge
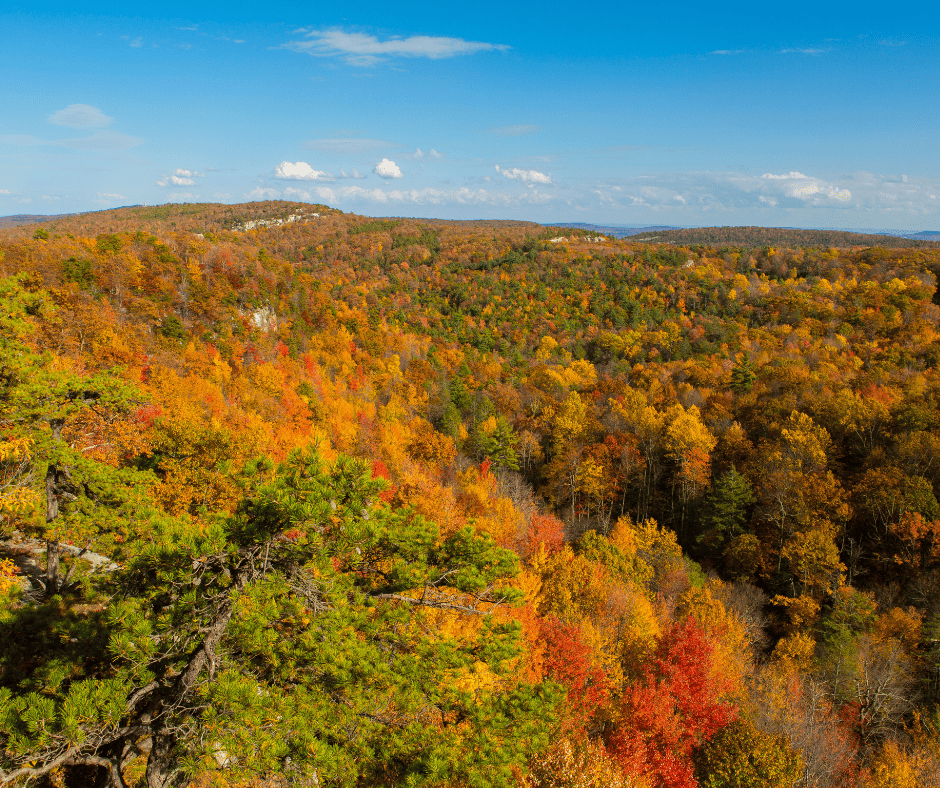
(763, 236)
(705, 236)
(615, 230)
(28, 218)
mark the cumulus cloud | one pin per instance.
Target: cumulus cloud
(463, 195)
(708, 191)
(182, 177)
(80, 116)
(262, 193)
(175, 180)
(387, 169)
(362, 49)
(793, 198)
(299, 194)
(802, 186)
(526, 176)
(299, 171)
(429, 196)
(431, 154)
(746, 198)
(352, 174)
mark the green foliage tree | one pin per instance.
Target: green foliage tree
(740, 756)
(78, 270)
(495, 440)
(743, 376)
(290, 638)
(727, 507)
(172, 327)
(80, 499)
(109, 242)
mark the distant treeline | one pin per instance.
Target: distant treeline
(780, 236)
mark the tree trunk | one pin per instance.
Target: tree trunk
(161, 763)
(52, 567)
(52, 512)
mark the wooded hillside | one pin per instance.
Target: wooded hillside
(407, 502)
(782, 236)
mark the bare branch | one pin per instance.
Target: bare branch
(440, 604)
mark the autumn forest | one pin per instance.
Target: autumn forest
(294, 497)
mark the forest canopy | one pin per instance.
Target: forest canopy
(296, 497)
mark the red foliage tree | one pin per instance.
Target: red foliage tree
(544, 529)
(567, 661)
(675, 707)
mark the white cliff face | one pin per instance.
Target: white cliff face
(264, 319)
(294, 217)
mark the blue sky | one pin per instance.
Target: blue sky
(802, 114)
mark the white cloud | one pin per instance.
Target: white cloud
(260, 193)
(185, 196)
(299, 194)
(387, 169)
(352, 174)
(190, 174)
(807, 186)
(299, 171)
(112, 196)
(352, 195)
(526, 176)
(431, 154)
(5, 191)
(694, 198)
(137, 43)
(175, 180)
(361, 49)
(80, 116)
(747, 197)
(463, 195)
